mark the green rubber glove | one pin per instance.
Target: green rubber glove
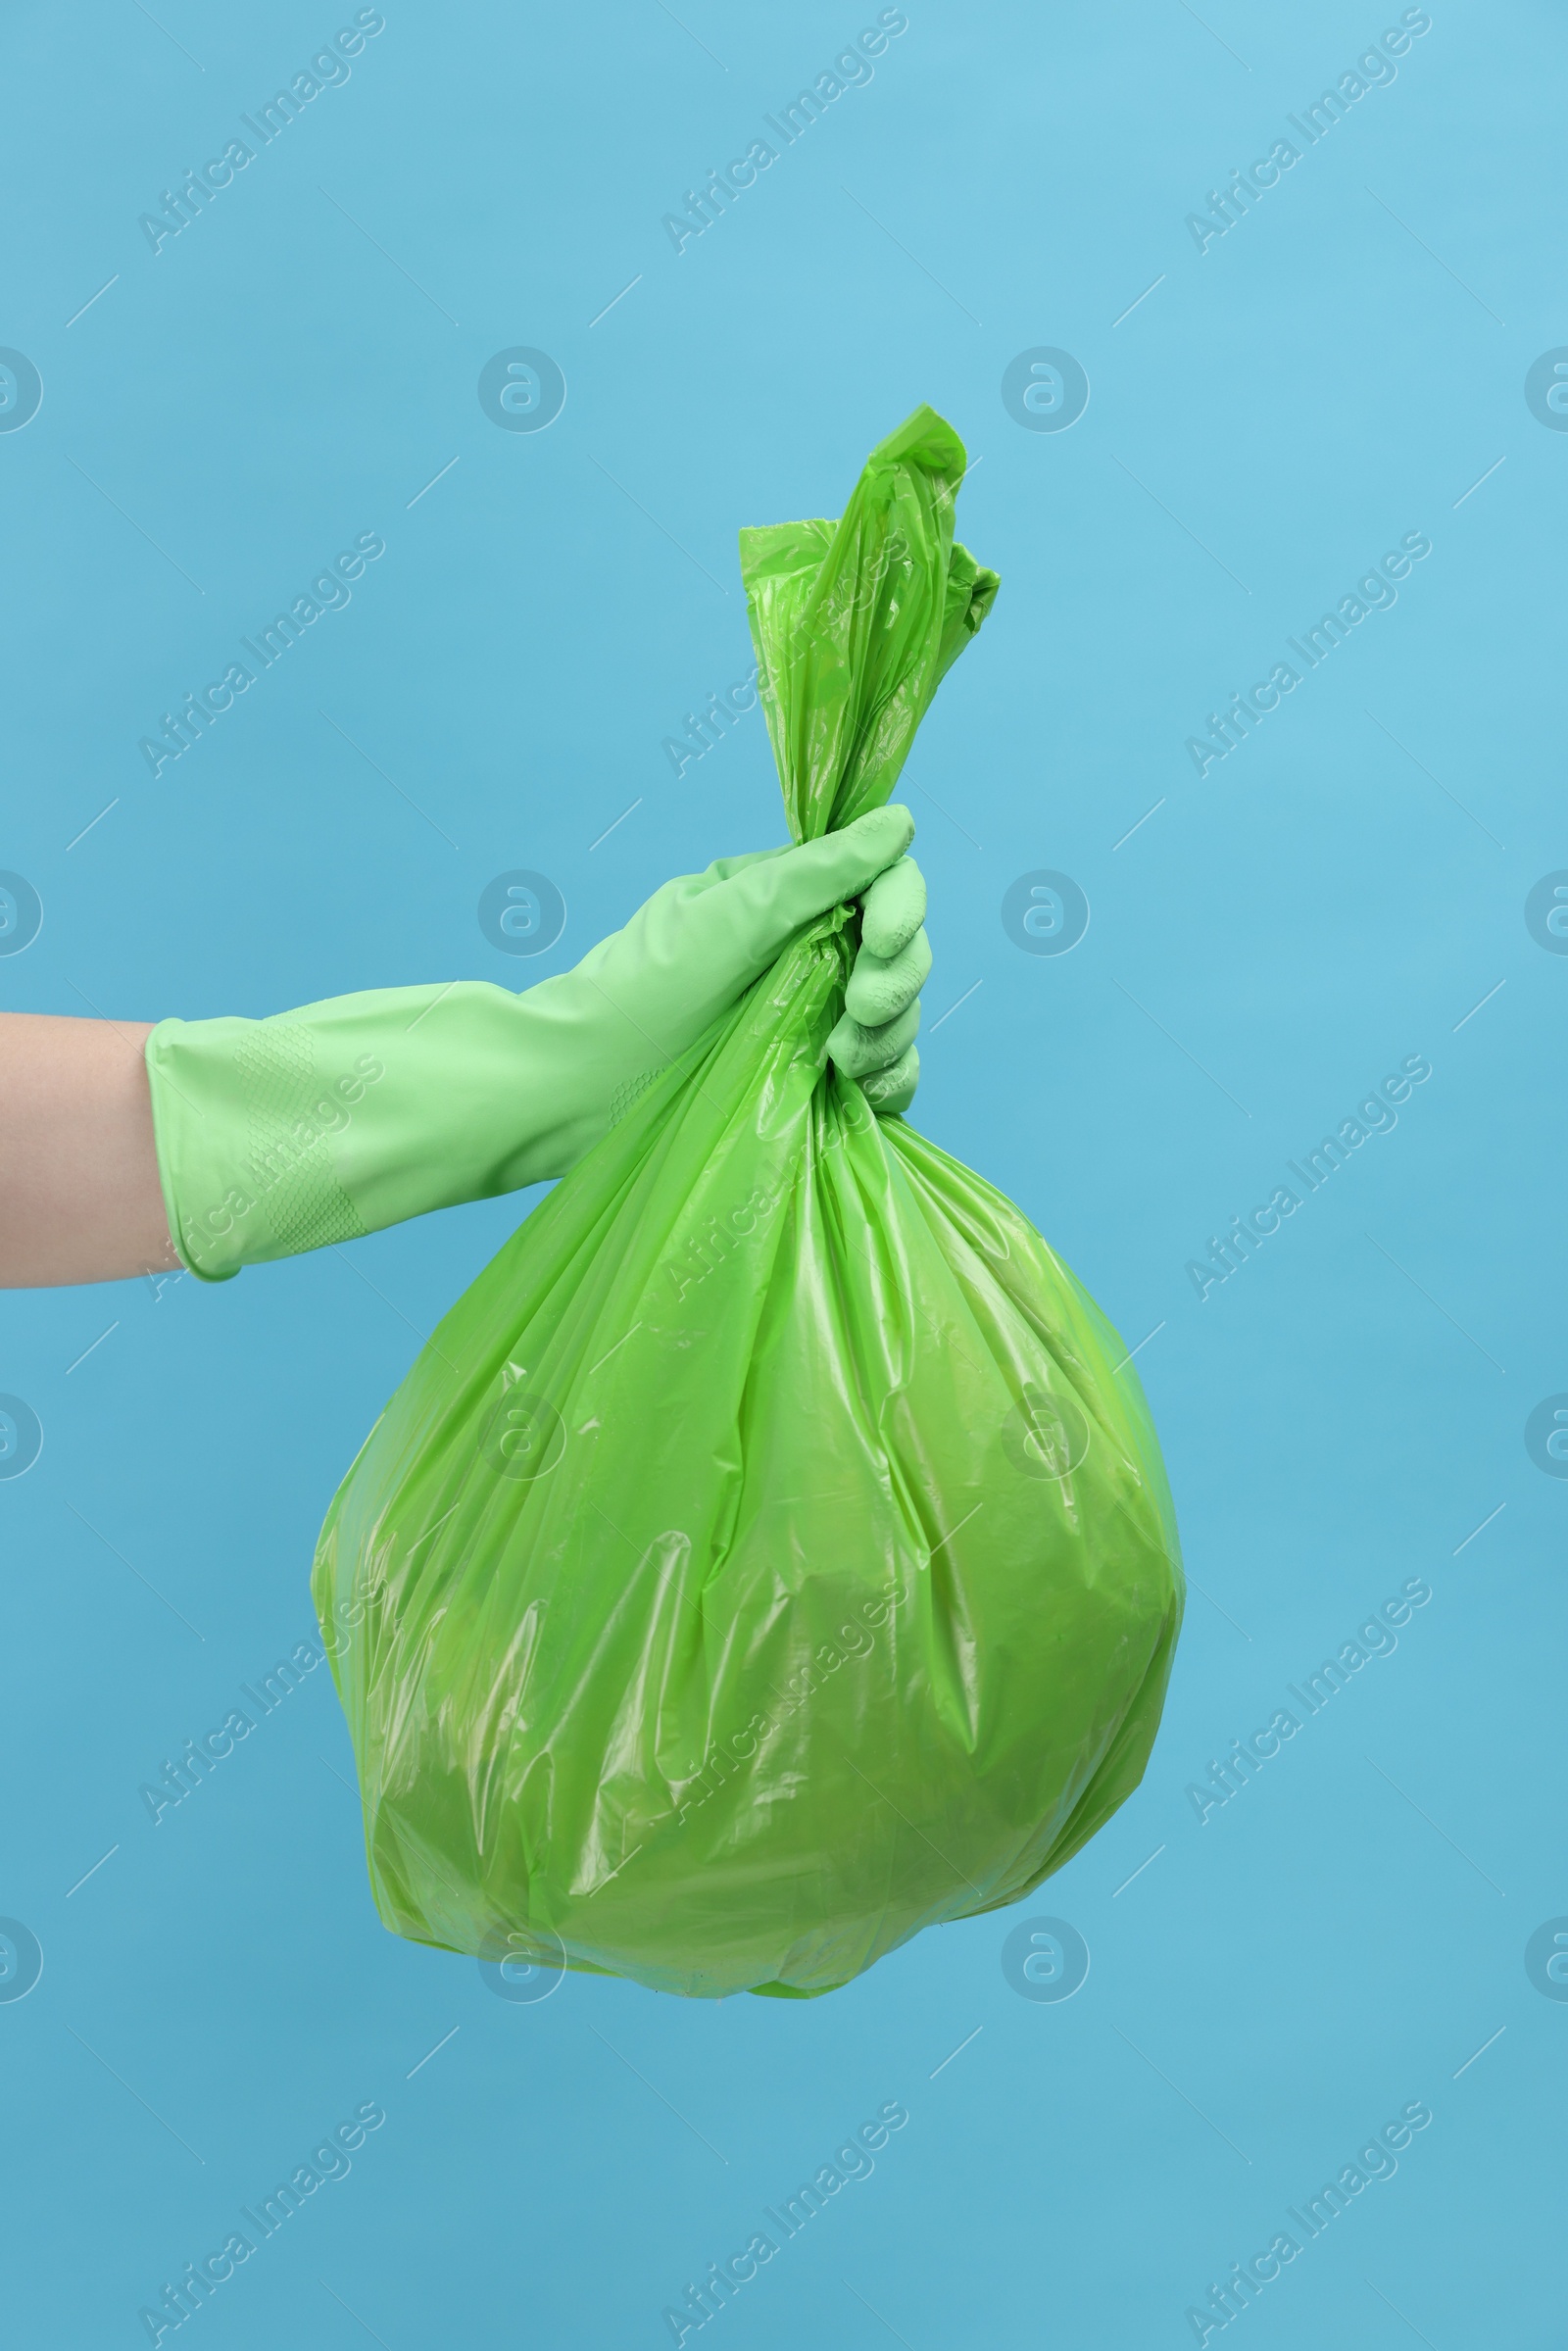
(323, 1124)
(874, 1040)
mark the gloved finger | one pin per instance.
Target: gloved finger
(892, 1091)
(704, 938)
(774, 895)
(893, 908)
(860, 1052)
(879, 989)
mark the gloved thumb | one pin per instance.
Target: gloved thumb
(704, 937)
(782, 892)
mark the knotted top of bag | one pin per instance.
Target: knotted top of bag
(856, 623)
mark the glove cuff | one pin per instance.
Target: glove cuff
(242, 1122)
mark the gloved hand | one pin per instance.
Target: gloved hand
(874, 1040)
(323, 1124)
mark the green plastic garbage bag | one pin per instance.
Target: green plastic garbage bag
(771, 1556)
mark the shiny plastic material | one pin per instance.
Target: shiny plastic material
(770, 1554)
(324, 1124)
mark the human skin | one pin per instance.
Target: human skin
(79, 1194)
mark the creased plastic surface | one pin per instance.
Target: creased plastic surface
(771, 1556)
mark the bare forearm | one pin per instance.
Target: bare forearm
(79, 1194)
(323, 1124)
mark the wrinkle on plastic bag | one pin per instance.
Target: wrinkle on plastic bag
(770, 1554)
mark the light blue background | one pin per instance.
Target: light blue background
(1339, 369)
